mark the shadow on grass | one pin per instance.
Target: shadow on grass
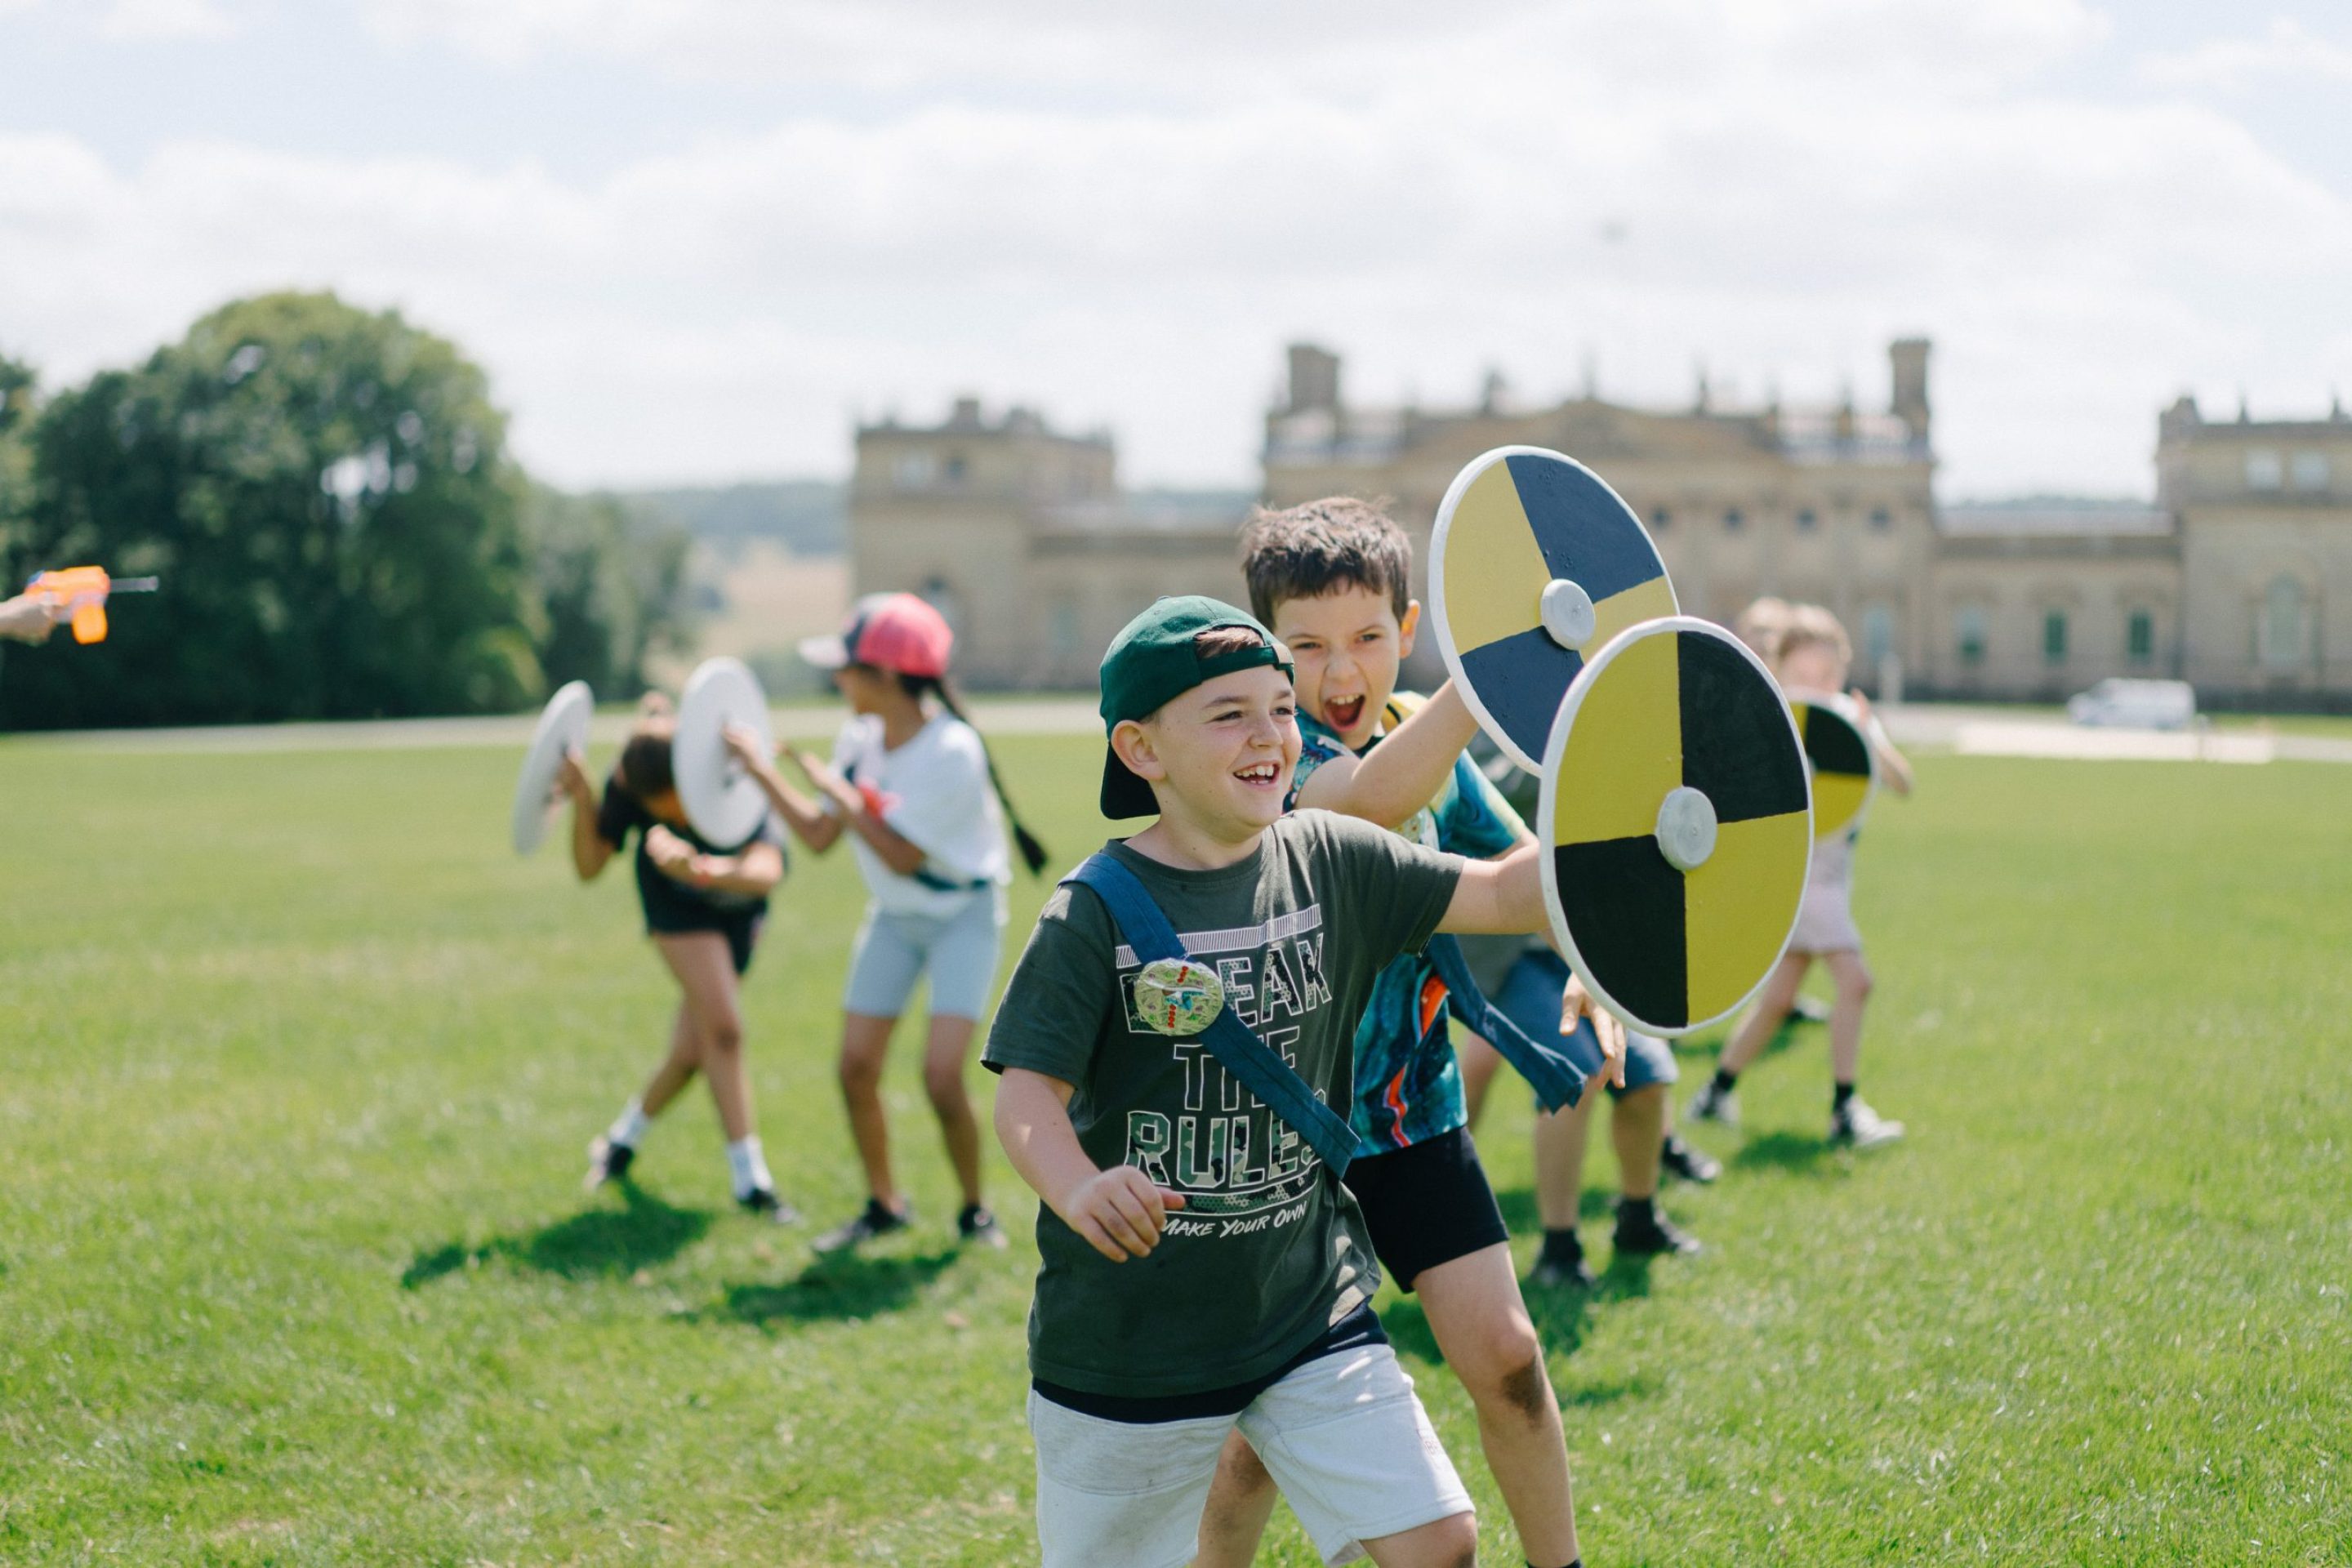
(1791, 1151)
(832, 1289)
(598, 1243)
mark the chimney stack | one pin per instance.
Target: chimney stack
(1907, 357)
(1314, 378)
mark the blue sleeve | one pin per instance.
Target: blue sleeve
(1473, 820)
(1317, 746)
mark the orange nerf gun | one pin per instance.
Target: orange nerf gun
(85, 588)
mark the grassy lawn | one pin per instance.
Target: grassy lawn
(294, 1267)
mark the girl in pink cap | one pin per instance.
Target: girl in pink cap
(913, 785)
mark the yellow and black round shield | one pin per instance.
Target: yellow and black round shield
(1677, 810)
(1533, 562)
(1838, 755)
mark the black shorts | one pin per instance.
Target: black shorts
(1426, 1204)
(741, 931)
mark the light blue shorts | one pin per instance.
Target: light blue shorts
(959, 951)
(1530, 998)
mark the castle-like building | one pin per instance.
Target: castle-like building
(2238, 578)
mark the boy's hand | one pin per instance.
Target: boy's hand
(571, 778)
(673, 856)
(1575, 1003)
(1120, 1212)
(742, 743)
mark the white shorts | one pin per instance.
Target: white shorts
(1344, 1436)
(959, 951)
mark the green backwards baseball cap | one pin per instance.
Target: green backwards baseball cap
(1154, 660)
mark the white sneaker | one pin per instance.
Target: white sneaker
(1713, 1104)
(1858, 1126)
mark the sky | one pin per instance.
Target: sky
(699, 240)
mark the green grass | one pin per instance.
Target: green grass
(299, 1063)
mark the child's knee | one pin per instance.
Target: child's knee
(1508, 1374)
(860, 1069)
(722, 1033)
(1856, 984)
(943, 1081)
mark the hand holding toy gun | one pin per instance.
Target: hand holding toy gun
(82, 590)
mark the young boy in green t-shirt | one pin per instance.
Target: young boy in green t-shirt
(1331, 578)
(1201, 1269)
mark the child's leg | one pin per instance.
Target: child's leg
(677, 1068)
(705, 968)
(1637, 1127)
(1482, 1329)
(1241, 1501)
(1851, 977)
(963, 960)
(944, 1065)
(864, 1046)
(1478, 1061)
(1764, 1015)
(1561, 1137)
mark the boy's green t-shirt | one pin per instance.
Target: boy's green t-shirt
(1269, 1251)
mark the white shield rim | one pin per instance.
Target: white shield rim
(563, 726)
(723, 802)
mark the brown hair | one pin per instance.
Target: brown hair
(1217, 641)
(1321, 547)
(1810, 625)
(646, 770)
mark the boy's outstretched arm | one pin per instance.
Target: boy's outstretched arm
(1404, 772)
(1120, 1211)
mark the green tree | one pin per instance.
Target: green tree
(611, 588)
(326, 495)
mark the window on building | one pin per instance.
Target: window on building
(2053, 636)
(912, 471)
(2281, 635)
(1659, 518)
(1806, 521)
(1881, 520)
(1970, 626)
(1877, 636)
(1732, 521)
(956, 467)
(2311, 472)
(943, 597)
(2140, 637)
(2263, 470)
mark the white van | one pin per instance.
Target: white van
(2135, 704)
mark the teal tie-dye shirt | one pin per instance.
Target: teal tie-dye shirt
(1408, 1086)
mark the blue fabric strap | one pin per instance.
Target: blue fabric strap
(1557, 1081)
(1265, 1075)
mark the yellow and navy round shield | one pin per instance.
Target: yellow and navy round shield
(1844, 768)
(1533, 565)
(1676, 812)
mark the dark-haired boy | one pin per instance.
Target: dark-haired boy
(1200, 1270)
(1331, 579)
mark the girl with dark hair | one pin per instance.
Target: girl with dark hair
(913, 785)
(703, 905)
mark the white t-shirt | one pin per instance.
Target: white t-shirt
(934, 792)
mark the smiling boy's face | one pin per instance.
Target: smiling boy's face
(1348, 644)
(1221, 754)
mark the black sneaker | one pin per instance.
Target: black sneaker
(978, 1227)
(1561, 1269)
(763, 1203)
(872, 1221)
(1645, 1233)
(1688, 1161)
(607, 1162)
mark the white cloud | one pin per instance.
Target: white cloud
(2286, 49)
(1794, 182)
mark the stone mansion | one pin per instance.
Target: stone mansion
(2238, 578)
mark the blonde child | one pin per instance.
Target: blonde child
(1812, 653)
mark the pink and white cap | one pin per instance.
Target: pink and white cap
(891, 631)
